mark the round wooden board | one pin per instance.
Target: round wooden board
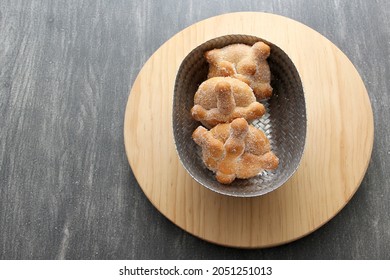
(338, 145)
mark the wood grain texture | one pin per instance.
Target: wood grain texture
(66, 190)
(337, 150)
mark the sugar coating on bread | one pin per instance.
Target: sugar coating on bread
(235, 150)
(223, 99)
(246, 63)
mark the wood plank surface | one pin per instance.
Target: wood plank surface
(66, 189)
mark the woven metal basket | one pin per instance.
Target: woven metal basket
(284, 122)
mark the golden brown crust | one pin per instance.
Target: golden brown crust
(223, 99)
(246, 63)
(235, 150)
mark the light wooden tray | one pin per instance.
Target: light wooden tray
(338, 145)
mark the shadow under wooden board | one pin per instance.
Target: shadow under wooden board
(338, 147)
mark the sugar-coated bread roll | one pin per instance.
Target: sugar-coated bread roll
(235, 150)
(246, 63)
(223, 99)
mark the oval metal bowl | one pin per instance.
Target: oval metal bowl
(284, 122)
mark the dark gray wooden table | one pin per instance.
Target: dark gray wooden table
(66, 188)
